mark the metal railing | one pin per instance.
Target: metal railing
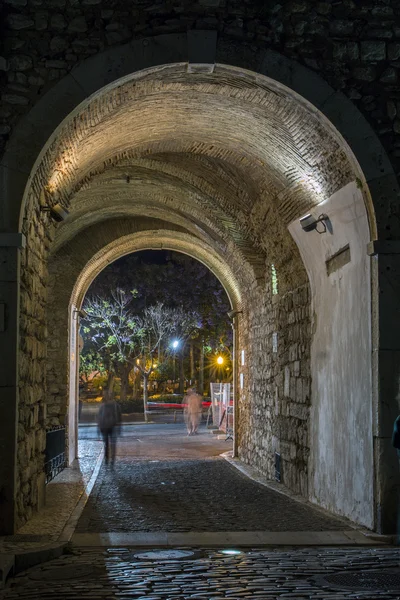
(55, 460)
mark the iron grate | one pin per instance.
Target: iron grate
(377, 581)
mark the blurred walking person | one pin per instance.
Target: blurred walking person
(193, 410)
(109, 422)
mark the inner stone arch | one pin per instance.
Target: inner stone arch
(85, 262)
(228, 161)
(163, 240)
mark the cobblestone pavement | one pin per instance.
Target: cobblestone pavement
(192, 495)
(266, 574)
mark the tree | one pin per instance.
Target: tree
(156, 324)
(113, 329)
(176, 281)
(90, 364)
(124, 340)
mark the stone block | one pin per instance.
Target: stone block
(341, 27)
(346, 51)
(365, 73)
(58, 22)
(299, 411)
(41, 20)
(394, 51)
(373, 51)
(389, 75)
(19, 21)
(15, 99)
(299, 389)
(78, 25)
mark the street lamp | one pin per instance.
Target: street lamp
(175, 344)
(220, 360)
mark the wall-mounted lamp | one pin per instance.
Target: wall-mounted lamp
(233, 313)
(57, 212)
(309, 223)
(80, 313)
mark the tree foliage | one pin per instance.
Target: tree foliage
(177, 281)
(139, 303)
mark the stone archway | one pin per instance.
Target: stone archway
(230, 196)
(77, 265)
(177, 178)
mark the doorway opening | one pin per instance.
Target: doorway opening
(153, 327)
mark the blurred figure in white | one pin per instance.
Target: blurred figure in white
(193, 408)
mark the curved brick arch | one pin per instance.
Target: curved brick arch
(160, 240)
(40, 125)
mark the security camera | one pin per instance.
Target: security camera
(233, 313)
(308, 223)
(58, 212)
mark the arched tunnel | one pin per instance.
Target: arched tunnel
(222, 166)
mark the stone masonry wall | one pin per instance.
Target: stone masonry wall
(274, 412)
(355, 46)
(32, 369)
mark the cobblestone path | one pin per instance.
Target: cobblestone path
(192, 495)
(265, 574)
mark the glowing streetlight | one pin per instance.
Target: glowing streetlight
(175, 344)
(220, 360)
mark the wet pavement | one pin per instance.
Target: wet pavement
(164, 481)
(295, 574)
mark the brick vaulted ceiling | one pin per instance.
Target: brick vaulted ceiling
(230, 155)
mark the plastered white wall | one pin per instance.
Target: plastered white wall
(341, 458)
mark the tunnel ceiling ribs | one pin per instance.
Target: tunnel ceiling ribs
(228, 155)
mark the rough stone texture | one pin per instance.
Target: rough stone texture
(274, 413)
(256, 573)
(319, 35)
(225, 197)
(32, 370)
(149, 492)
(45, 40)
